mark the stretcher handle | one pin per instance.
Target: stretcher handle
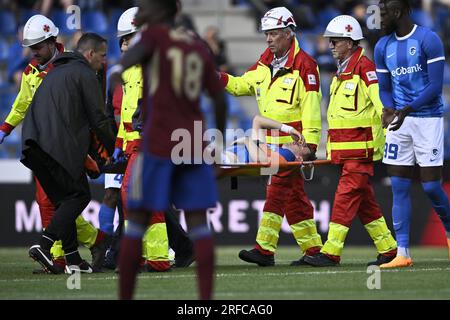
(284, 165)
(304, 168)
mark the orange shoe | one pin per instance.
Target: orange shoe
(398, 262)
(448, 243)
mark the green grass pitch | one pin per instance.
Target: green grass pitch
(429, 278)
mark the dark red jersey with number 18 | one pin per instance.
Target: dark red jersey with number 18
(176, 70)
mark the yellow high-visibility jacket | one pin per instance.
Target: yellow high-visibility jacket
(354, 113)
(31, 79)
(292, 96)
(132, 93)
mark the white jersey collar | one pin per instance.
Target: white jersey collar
(408, 35)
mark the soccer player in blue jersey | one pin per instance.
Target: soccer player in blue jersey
(410, 63)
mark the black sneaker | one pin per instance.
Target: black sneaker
(320, 260)
(83, 267)
(110, 261)
(381, 258)
(98, 252)
(254, 256)
(300, 262)
(44, 257)
(185, 261)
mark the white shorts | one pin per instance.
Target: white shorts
(113, 180)
(419, 140)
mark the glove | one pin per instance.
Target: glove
(2, 136)
(91, 168)
(117, 155)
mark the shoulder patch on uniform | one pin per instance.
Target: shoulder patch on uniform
(371, 75)
(312, 79)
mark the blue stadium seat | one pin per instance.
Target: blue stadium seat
(94, 21)
(59, 18)
(12, 145)
(4, 51)
(113, 54)
(8, 25)
(6, 101)
(308, 45)
(326, 15)
(113, 19)
(422, 18)
(234, 107)
(236, 111)
(442, 14)
(26, 14)
(244, 3)
(447, 75)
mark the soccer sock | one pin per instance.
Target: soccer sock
(401, 251)
(46, 242)
(439, 200)
(129, 258)
(73, 257)
(106, 219)
(204, 257)
(401, 210)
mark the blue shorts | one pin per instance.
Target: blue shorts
(157, 183)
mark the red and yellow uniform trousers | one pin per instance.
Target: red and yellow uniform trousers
(155, 247)
(285, 195)
(355, 141)
(355, 197)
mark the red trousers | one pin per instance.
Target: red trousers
(131, 152)
(355, 195)
(285, 195)
(46, 207)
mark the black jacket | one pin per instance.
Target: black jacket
(67, 109)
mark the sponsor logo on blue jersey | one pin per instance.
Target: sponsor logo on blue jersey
(409, 70)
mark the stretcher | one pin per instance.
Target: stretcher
(260, 169)
(114, 167)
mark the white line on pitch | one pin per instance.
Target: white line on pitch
(225, 275)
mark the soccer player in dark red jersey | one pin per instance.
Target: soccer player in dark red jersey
(177, 67)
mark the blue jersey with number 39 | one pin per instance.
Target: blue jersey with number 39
(407, 60)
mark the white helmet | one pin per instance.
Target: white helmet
(277, 18)
(126, 22)
(344, 27)
(37, 29)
